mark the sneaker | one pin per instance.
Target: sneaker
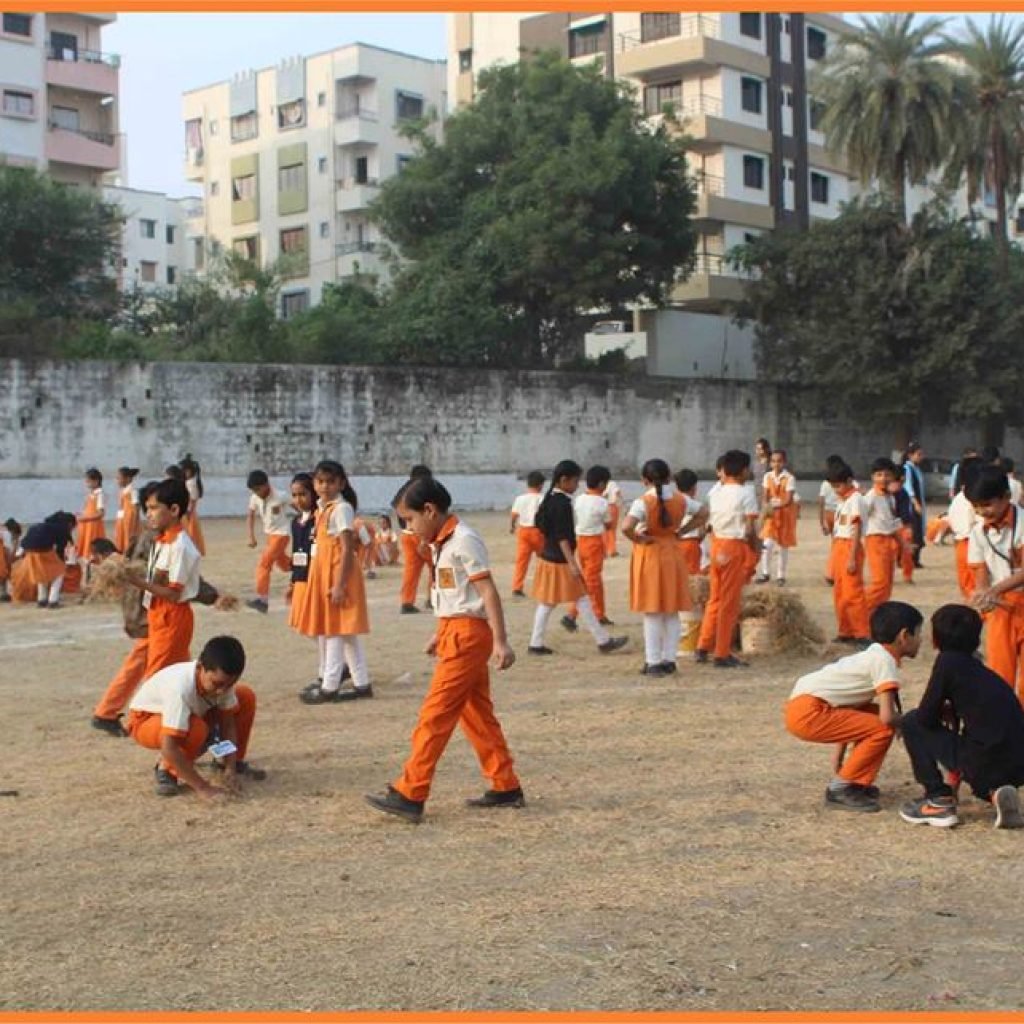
(111, 726)
(250, 771)
(669, 667)
(731, 662)
(940, 812)
(257, 604)
(166, 783)
(605, 621)
(701, 657)
(518, 593)
(569, 624)
(613, 643)
(653, 670)
(539, 650)
(496, 798)
(318, 695)
(392, 802)
(1007, 804)
(850, 798)
(356, 693)
(410, 609)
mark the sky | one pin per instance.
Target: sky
(163, 55)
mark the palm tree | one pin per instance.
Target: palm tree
(988, 139)
(887, 99)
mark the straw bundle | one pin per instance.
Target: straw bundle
(108, 581)
(791, 627)
(700, 590)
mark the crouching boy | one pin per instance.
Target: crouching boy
(969, 722)
(856, 700)
(177, 709)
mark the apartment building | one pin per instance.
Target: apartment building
(290, 158)
(59, 97)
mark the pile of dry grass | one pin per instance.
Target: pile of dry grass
(792, 629)
(700, 590)
(108, 581)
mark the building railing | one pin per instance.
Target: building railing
(358, 183)
(348, 248)
(710, 263)
(695, 106)
(61, 53)
(103, 138)
(689, 26)
(361, 112)
(709, 184)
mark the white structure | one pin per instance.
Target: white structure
(59, 97)
(290, 158)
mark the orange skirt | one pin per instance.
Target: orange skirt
(780, 526)
(43, 567)
(5, 563)
(23, 590)
(295, 608)
(314, 614)
(658, 581)
(87, 533)
(554, 584)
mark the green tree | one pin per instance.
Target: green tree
(346, 327)
(887, 101)
(549, 195)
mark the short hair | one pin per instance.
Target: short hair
(835, 460)
(734, 462)
(92, 473)
(146, 490)
(224, 654)
(969, 470)
(419, 471)
(1007, 464)
(131, 472)
(883, 465)
(422, 490)
(956, 627)
(990, 483)
(12, 525)
(782, 452)
(257, 478)
(174, 472)
(598, 476)
(535, 479)
(102, 547)
(171, 492)
(839, 474)
(888, 620)
(686, 480)
(990, 453)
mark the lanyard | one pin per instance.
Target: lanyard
(1008, 559)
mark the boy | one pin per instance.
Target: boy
(856, 700)
(905, 514)
(522, 522)
(1008, 466)
(881, 535)
(613, 495)
(961, 520)
(275, 513)
(984, 742)
(176, 709)
(995, 554)
(732, 513)
(471, 628)
(592, 515)
(692, 536)
(848, 559)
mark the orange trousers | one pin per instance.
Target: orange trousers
(907, 555)
(730, 571)
(1004, 640)
(120, 689)
(848, 592)
(830, 522)
(529, 542)
(590, 555)
(413, 564)
(146, 728)
(275, 553)
(964, 573)
(460, 693)
(815, 720)
(610, 548)
(880, 553)
(170, 634)
(691, 556)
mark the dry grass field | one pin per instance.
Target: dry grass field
(674, 853)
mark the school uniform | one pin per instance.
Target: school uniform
(192, 525)
(302, 528)
(962, 518)
(731, 507)
(591, 514)
(835, 704)
(386, 545)
(691, 544)
(529, 539)
(881, 547)
(827, 494)
(91, 530)
(779, 530)
(127, 524)
(460, 690)
(273, 511)
(44, 545)
(613, 495)
(1000, 551)
(848, 591)
(415, 558)
(1016, 489)
(173, 562)
(913, 484)
(905, 513)
(169, 704)
(366, 550)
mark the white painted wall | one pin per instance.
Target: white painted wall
(22, 67)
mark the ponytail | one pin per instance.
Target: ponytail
(328, 467)
(189, 465)
(656, 471)
(565, 468)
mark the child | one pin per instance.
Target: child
(837, 704)
(591, 515)
(780, 514)
(968, 722)
(905, 514)
(827, 504)
(302, 527)
(995, 554)
(333, 607)
(732, 513)
(613, 495)
(415, 558)
(386, 541)
(127, 524)
(558, 579)
(882, 543)
(193, 477)
(272, 509)
(177, 708)
(961, 520)
(691, 534)
(658, 583)
(471, 630)
(46, 545)
(1016, 489)
(522, 522)
(913, 484)
(848, 560)
(10, 538)
(90, 519)
(366, 546)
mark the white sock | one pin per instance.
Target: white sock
(540, 624)
(355, 657)
(321, 651)
(783, 562)
(334, 663)
(654, 638)
(589, 619)
(40, 592)
(55, 589)
(670, 632)
(764, 568)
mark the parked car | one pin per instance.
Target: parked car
(937, 474)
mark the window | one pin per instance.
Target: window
(321, 99)
(816, 40)
(401, 162)
(788, 94)
(147, 272)
(819, 188)
(750, 25)
(172, 275)
(170, 234)
(291, 115)
(244, 126)
(243, 188)
(749, 236)
(293, 241)
(790, 173)
(18, 24)
(753, 172)
(64, 117)
(21, 104)
(586, 41)
(786, 27)
(750, 89)
(659, 26)
(362, 169)
(214, 188)
(656, 97)
(63, 46)
(816, 111)
(291, 178)
(325, 229)
(248, 248)
(147, 228)
(407, 106)
(294, 303)
(213, 127)
(465, 60)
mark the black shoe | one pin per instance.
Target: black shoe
(539, 650)
(5, 598)
(257, 604)
(605, 621)
(318, 695)
(54, 604)
(613, 643)
(701, 657)
(356, 693)
(518, 593)
(731, 662)
(569, 624)
(669, 667)
(410, 609)
(166, 783)
(392, 802)
(761, 578)
(111, 726)
(850, 798)
(653, 670)
(40, 604)
(495, 798)
(250, 771)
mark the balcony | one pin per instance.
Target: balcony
(696, 49)
(711, 284)
(84, 70)
(351, 248)
(714, 205)
(355, 195)
(358, 258)
(706, 129)
(96, 150)
(357, 127)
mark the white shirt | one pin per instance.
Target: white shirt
(130, 492)
(998, 550)
(192, 486)
(591, 512)
(1016, 489)
(961, 517)
(828, 493)
(174, 562)
(881, 517)
(525, 508)
(97, 494)
(693, 506)
(274, 511)
(638, 510)
(730, 507)
(785, 478)
(850, 512)
(613, 492)
(856, 679)
(459, 561)
(172, 694)
(341, 519)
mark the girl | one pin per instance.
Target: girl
(90, 519)
(366, 546)
(780, 509)
(127, 525)
(333, 606)
(45, 545)
(387, 542)
(658, 581)
(913, 484)
(558, 579)
(193, 477)
(302, 527)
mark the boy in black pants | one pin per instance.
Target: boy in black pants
(969, 722)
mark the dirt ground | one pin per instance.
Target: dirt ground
(674, 853)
